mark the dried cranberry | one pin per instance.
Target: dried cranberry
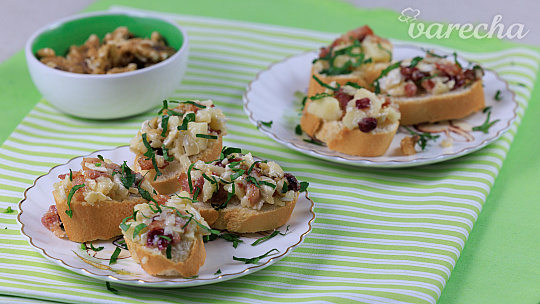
(292, 182)
(469, 75)
(343, 98)
(367, 124)
(428, 84)
(161, 242)
(417, 75)
(363, 103)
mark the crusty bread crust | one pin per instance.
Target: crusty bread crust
(353, 142)
(236, 218)
(356, 142)
(168, 182)
(364, 78)
(158, 264)
(432, 108)
(98, 221)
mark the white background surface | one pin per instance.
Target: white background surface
(20, 18)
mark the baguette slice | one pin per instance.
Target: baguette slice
(171, 240)
(357, 56)
(98, 221)
(236, 218)
(240, 194)
(194, 131)
(347, 123)
(98, 207)
(432, 108)
(158, 264)
(433, 88)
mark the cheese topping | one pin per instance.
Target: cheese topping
(254, 183)
(190, 129)
(102, 180)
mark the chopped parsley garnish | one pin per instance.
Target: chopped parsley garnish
(266, 238)
(267, 124)
(384, 72)
(70, 175)
(486, 125)
(189, 178)
(354, 85)
(285, 187)
(311, 141)
(190, 117)
(127, 177)
(320, 96)
(100, 157)
(95, 249)
(151, 154)
(83, 246)
(423, 137)
(109, 288)
(138, 229)
(326, 85)
(415, 61)
(217, 272)
(231, 237)
(194, 103)
(456, 60)
(168, 251)
(253, 165)
(69, 212)
(164, 125)
(226, 151)
(207, 136)
(115, 255)
(166, 154)
(298, 130)
(498, 96)
(9, 210)
(254, 260)
(303, 186)
(429, 52)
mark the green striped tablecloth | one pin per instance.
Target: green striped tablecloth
(380, 235)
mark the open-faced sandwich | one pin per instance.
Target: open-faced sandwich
(166, 145)
(432, 88)
(351, 119)
(165, 236)
(358, 56)
(240, 194)
(92, 202)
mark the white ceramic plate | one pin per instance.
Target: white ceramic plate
(272, 96)
(219, 265)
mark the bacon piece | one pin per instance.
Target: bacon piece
(52, 221)
(252, 193)
(343, 98)
(410, 89)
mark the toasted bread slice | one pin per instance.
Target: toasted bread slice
(451, 105)
(98, 221)
(170, 241)
(155, 263)
(352, 121)
(236, 218)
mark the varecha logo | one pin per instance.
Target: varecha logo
(465, 31)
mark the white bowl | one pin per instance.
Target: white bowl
(106, 96)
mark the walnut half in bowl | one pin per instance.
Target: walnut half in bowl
(107, 65)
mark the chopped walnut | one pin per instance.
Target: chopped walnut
(120, 52)
(408, 143)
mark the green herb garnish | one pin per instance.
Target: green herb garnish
(9, 210)
(303, 186)
(190, 117)
(267, 124)
(384, 72)
(266, 238)
(207, 136)
(109, 288)
(311, 141)
(138, 229)
(326, 85)
(151, 154)
(217, 272)
(69, 212)
(95, 249)
(298, 130)
(320, 96)
(115, 255)
(486, 125)
(164, 125)
(168, 251)
(70, 175)
(423, 138)
(498, 96)
(415, 61)
(254, 260)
